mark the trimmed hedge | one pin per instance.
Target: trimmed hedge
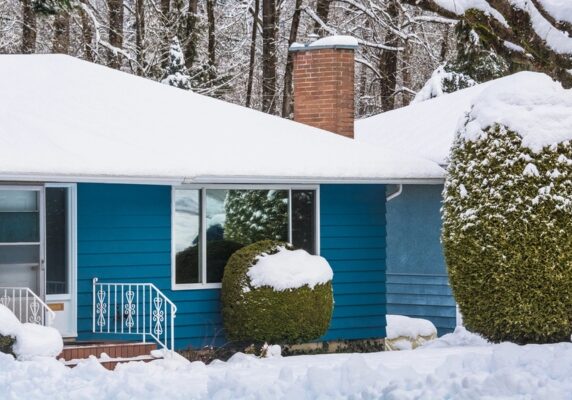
(264, 315)
(507, 236)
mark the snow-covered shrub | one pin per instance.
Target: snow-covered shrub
(507, 213)
(27, 341)
(273, 294)
(7, 344)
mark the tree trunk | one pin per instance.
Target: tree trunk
(211, 38)
(115, 31)
(28, 27)
(192, 34)
(87, 36)
(388, 64)
(322, 11)
(140, 34)
(269, 56)
(287, 103)
(445, 44)
(252, 52)
(61, 42)
(362, 105)
(406, 78)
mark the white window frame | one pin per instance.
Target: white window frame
(202, 216)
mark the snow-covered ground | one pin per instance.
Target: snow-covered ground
(459, 366)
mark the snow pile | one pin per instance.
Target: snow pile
(405, 333)
(460, 338)
(402, 326)
(335, 40)
(271, 350)
(290, 269)
(528, 103)
(32, 340)
(9, 324)
(504, 371)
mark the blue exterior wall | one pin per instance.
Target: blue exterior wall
(124, 235)
(352, 227)
(417, 283)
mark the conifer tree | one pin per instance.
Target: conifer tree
(176, 73)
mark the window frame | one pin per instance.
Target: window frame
(202, 218)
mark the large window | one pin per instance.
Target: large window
(210, 224)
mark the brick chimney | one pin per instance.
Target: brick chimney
(324, 84)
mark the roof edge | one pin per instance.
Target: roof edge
(170, 181)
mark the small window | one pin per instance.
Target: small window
(187, 230)
(234, 218)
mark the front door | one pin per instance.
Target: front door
(21, 244)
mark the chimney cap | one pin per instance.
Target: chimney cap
(328, 42)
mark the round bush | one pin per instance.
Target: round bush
(264, 315)
(507, 236)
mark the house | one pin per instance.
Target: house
(115, 211)
(417, 281)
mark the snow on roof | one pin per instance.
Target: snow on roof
(61, 117)
(425, 129)
(529, 103)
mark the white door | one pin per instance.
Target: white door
(60, 253)
(21, 248)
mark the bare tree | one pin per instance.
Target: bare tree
(252, 56)
(61, 41)
(28, 27)
(269, 59)
(115, 32)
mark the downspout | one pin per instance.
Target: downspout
(395, 194)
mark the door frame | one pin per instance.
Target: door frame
(71, 297)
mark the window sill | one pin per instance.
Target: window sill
(195, 286)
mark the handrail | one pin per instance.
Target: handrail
(30, 312)
(134, 309)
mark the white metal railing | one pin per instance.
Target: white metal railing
(134, 309)
(26, 305)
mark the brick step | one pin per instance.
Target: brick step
(111, 363)
(113, 350)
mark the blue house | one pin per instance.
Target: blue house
(417, 281)
(115, 203)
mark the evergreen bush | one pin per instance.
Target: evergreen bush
(7, 344)
(265, 315)
(507, 236)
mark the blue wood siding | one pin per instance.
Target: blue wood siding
(417, 283)
(352, 225)
(124, 235)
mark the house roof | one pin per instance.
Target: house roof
(66, 119)
(425, 129)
